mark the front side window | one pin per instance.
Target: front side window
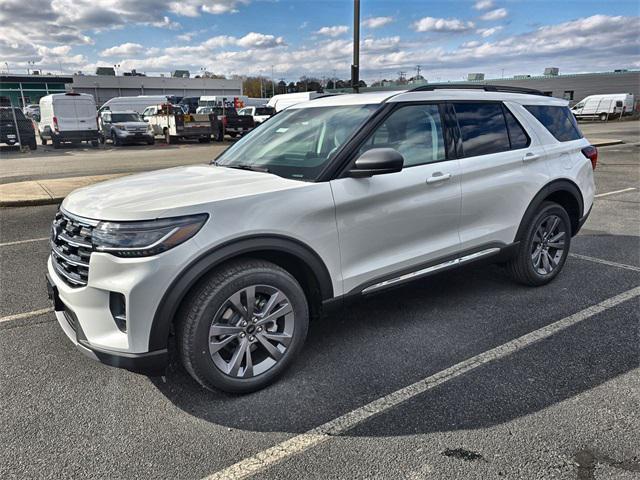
(559, 121)
(297, 143)
(483, 128)
(415, 131)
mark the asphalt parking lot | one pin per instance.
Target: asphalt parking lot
(460, 375)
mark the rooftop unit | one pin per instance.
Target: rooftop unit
(552, 71)
(471, 77)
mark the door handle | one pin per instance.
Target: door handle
(438, 177)
(530, 157)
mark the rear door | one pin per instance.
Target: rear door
(86, 113)
(503, 168)
(64, 110)
(397, 223)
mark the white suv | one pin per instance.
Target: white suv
(338, 197)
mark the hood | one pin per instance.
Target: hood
(171, 192)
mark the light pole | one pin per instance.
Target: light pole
(273, 83)
(355, 67)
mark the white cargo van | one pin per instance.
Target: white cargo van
(68, 117)
(604, 106)
(136, 104)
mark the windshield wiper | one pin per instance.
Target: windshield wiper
(244, 166)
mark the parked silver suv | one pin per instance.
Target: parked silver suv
(338, 197)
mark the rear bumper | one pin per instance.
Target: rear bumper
(583, 220)
(76, 136)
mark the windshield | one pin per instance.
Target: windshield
(125, 117)
(297, 143)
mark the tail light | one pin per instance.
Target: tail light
(224, 121)
(591, 153)
(55, 124)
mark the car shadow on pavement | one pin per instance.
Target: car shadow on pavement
(385, 342)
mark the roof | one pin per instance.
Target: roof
(434, 95)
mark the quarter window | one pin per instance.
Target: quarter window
(483, 128)
(558, 120)
(415, 131)
(517, 135)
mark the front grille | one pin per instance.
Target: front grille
(71, 248)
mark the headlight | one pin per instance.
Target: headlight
(119, 127)
(142, 239)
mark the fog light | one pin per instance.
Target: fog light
(118, 309)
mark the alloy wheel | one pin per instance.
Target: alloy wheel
(251, 331)
(548, 244)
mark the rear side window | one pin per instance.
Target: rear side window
(517, 135)
(483, 128)
(558, 120)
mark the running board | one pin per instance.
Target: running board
(434, 268)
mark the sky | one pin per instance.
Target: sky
(292, 38)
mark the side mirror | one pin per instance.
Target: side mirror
(377, 161)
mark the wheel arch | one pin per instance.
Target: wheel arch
(292, 255)
(564, 192)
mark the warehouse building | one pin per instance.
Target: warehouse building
(26, 89)
(572, 87)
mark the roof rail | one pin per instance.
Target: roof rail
(486, 88)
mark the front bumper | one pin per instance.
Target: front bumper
(149, 363)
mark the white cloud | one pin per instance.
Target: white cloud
(260, 40)
(193, 8)
(431, 24)
(124, 50)
(334, 31)
(376, 22)
(483, 4)
(496, 14)
(487, 32)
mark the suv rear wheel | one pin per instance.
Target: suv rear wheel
(242, 327)
(544, 248)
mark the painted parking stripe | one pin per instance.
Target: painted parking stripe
(295, 445)
(19, 242)
(605, 262)
(20, 316)
(600, 195)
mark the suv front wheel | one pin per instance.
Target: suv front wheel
(241, 328)
(544, 248)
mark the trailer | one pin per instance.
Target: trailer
(173, 124)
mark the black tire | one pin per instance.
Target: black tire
(202, 307)
(204, 140)
(521, 267)
(33, 145)
(101, 139)
(95, 143)
(114, 139)
(55, 142)
(233, 134)
(43, 140)
(151, 141)
(168, 139)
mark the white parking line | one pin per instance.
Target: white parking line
(269, 457)
(19, 316)
(18, 242)
(605, 262)
(600, 195)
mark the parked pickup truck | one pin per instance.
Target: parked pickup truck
(233, 123)
(172, 123)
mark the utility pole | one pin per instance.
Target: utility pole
(355, 67)
(418, 72)
(273, 83)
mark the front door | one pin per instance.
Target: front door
(394, 223)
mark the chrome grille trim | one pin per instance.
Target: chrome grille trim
(71, 247)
